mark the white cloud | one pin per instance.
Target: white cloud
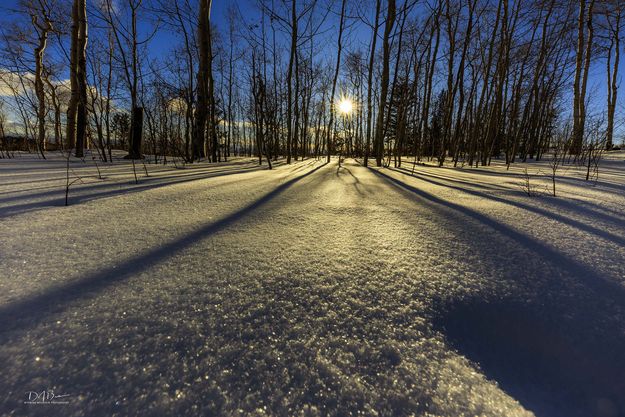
(11, 81)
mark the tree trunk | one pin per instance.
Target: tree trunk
(197, 148)
(374, 39)
(289, 78)
(81, 78)
(582, 64)
(330, 130)
(39, 88)
(612, 73)
(73, 70)
(212, 126)
(379, 128)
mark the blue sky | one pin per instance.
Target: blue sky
(164, 40)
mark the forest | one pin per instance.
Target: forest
(437, 79)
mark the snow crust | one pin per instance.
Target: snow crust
(311, 290)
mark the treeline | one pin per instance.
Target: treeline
(459, 81)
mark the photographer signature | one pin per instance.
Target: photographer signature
(46, 397)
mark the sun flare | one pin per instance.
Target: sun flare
(346, 106)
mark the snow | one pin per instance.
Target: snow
(311, 290)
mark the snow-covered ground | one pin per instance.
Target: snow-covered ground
(311, 290)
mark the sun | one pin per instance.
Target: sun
(346, 106)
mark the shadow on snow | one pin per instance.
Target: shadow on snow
(56, 299)
(555, 216)
(561, 354)
(108, 189)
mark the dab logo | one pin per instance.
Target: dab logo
(46, 397)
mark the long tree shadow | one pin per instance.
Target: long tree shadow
(589, 276)
(560, 351)
(598, 183)
(160, 178)
(518, 175)
(537, 360)
(24, 313)
(578, 205)
(357, 185)
(107, 189)
(550, 214)
(598, 211)
(472, 182)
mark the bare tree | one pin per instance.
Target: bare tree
(558, 155)
(613, 16)
(127, 42)
(205, 109)
(379, 127)
(42, 24)
(330, 128)
(81, 78)
(582, 66)
(374, 39)
(77, 109)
